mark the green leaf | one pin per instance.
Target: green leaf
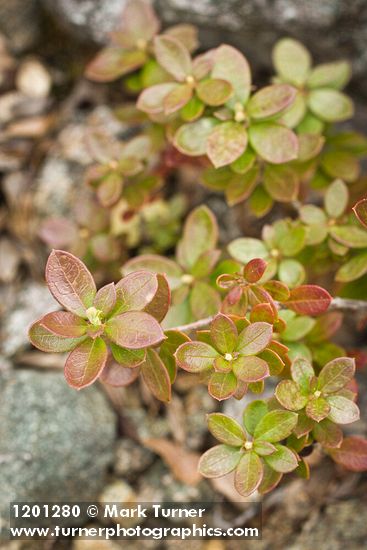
(342, 410)
(254, 338)
(246, 249)
(156, 264)
(275, 426)
(241, 187)
(219, 461)
(273, 142)
(349, 235)
(291, 272)
(192, 110)
(250, 369)
(244, 163)
(317, 409)
(226, 430)
(330, 105)
(172, 55)
(226, 143)
(281, 182)
(205, 264)
(128, 358)
(302, 372)
(85, 363)
(289, 395)
(330, 75)
(298, 328)
(222, 385)
(167, 349)
(186, 34)
(341, 164)
(230, 65)
(352, 454)
(312, 215)
(292, 61)
(70, 282)
(275, 363)
(204, 300)
(295, 113)
(191, 139)
(264, 448)
(336, 374)
(134, 330)
(156, 376)
(327, 433)
(177, 98)
(113, 62)
(355, 268)
(195, 356)
(249, 474)
(309, 300)
(271, 100)
(260, 202)
(64, 323)
(310, 146)
(360, 210)
(270, 480)
(253, 413)
(336, 199)
(283, 460)
(214, 91)
(304, 425)
(151, 100)
(223, 333)
(200, 234)
(136, 290)
(46, 340)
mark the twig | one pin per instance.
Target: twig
(337, 303)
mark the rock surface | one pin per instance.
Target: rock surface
(55, 443)
(20, 23)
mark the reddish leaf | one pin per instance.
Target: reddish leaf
(177, 98)
(262, 313)
(45, 340)
(85, 363)
(116, 375)
(352, 454)
(254, 270)
(226, 143)
(113, 62)
(105, 299)
(134, 330)
(64, 323)
(309, 300)
(139, 22)
(317, 409)
(156, 376)
(249, 474)
(172, 55)
(159, 305)
(137, 290)
(195, 356)
(271, 100)
(336, 374)
(254, 338)
(360, 210)
(222, 385)
(250, 369)
(327, 433)
(151, 100)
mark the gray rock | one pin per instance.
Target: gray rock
(131, 458)
(55, 443)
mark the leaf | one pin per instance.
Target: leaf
(182, 463)
(226, 143)
(167, 349)
(275, 426)
(310, 146)
(289, 395)
(204, 300)
(70, 282)
(151, 100)
(139, 22)
(330, 75)
(298, 328)
(46, 340)
(291, 272)
(283, 460)
(200, 234)
(341, 164)
(105, 299)
(247, 249)
(254, 270)
(349, 235)
(205, 264)
(309, 300)
(191, 139)
(292, 61)
(128, 358)
(336, 199)
(195, 356)
(172, 55)
(250, 369)
(355, 268)
(113, 62)
(336, 374)
(214, 91)
(223, 333)
(134, 330)
(281, 182)
(273, 142)
(85, 363)
(360, 210)
(177, 98)
(186, 34)
(253, 413)
(302, 373)
(274, 361)
(342, 410)
(230, 65)
(226, 430)
(219, 461)
(192, 110)
(137, 290)
(64, 323)
(254, 338)
(264, 448)
(116, 375)
(222, 385)
(271, 100)
(156, 376)
(304, 425)
(330, 105)
(156, 264)
(109, 189)
(270, 480)
(352, 454)
(159, 305)
(317, 409)
(249, 474)
(327, 433)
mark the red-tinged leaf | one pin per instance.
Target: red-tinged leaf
(105, 299)
(46, 340)
(64, 323)
(128, 358)
(200, 235)
(273, 142)
(226, 143)
(58, 232)
(264, 448)
(262, 313)
(168, 349)
(250, 369)
(223, 333)
(336, 374)
(278, 291)
(70, 282)
(254, 270)
(253, 413)
(116, 375)
(222, 385)
(134, 330)
(274, 361)
(229, 64)
(113, 62)
(241, 187)
(249, 474)
(85, 363)
(360, 210)
(214, 91)
(177, 98)
(275, 426)
(289, 395)
(342, 410)
(151, 100)
(325, 327)
(281, 182)
(156, 264)
(191, 139)
(156, 376)
(226, 430)
(160, 303)
(271, 100)
(283, 460)
(270, 480)
(204, 300)
(195, 356)
(139, 23)
(352, 454)
(219, 461)
(317, 409)
(137, 290)
(172, 55)
(304, 425)
(302, 372)
(241, 390)
(254, 338)
(309, 300)
(186, 34)
(109, 189)
(327, 433)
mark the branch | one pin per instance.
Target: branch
(336, 303)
